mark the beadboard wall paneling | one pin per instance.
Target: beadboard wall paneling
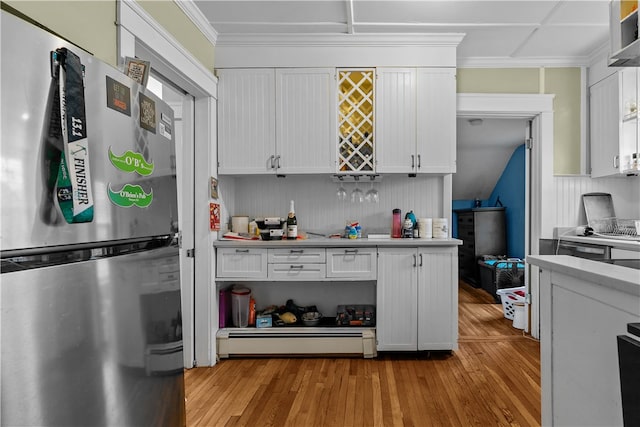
(316, 204)
(569, 189)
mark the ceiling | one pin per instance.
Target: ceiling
(483, 149)
(537, 32)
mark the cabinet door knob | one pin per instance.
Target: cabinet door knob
(415, 260)
(420, 260)
(413, 161)
(271, 159)
(278, 161)
(616, 162)
(418, 161)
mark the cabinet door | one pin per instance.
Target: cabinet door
(628, 142)
(396, 120)
(306, 120)
(241, 263)
(396, 310)
(246, 121)
(604, 115)
(352, 263)
(436, 120)
(437, 299)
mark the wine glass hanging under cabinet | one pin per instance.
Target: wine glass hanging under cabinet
(355, 120)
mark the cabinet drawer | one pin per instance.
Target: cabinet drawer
(241, 263)
(465, 219)
(293, 255)
(296, 271)
(352, 263)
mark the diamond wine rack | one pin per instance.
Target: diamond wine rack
(355, 120)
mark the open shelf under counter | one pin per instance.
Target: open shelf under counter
(294, 340)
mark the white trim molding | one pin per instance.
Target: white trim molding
(197, 17)
(337, 50)
(341, 40)
(503, 105)
(135, 21)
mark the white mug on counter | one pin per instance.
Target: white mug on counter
(425, 230)
(240, 224)
(440, 228)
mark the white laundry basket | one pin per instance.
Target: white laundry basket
(508, 296)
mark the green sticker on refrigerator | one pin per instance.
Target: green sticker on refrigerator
(131, 162)
(130, 195)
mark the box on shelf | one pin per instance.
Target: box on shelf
(264, 321)
(500, 274)
(356, 315)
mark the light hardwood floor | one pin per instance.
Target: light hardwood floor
(492, 380)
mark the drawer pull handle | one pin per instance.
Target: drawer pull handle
(415, 260)
(420, 260)
(296, 251)
(296, 267)
(242, 251)
(350, 251)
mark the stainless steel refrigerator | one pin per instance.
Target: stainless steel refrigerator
(91, 326)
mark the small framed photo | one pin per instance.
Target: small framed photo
(137, 69)
(214, 188)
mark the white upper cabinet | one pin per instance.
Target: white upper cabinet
(328, 120)
(305, 120)
(416, 120)
(276, 121)
(396, 120)
(436, 117)
(604, 112)
(613, 112)
(246, 121)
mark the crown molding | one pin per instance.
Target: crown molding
(199, 20)
(510, 62)
(342, 40)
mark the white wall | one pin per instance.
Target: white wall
(568, 204)
(317, 207)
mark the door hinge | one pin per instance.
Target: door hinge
(528, 143)
(191, 253)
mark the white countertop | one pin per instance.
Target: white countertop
(326, 242)
(624, 279)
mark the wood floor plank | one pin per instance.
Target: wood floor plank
(493, 379)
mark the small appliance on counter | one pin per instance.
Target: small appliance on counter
(601, 218)
(271, 228)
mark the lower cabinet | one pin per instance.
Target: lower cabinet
(417, 299)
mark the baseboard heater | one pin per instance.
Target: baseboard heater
(296, 341)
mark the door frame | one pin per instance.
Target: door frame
(540, 191)
(139, 34)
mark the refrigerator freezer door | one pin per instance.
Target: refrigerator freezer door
(130, 144)
(95, 342)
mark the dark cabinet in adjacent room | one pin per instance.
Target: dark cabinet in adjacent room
(483, 232)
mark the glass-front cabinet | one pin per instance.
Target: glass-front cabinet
(628, 156)
(356, 121)
(614, 124)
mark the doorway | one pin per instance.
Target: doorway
(139, 35)
(538, 109)
(182, 104)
